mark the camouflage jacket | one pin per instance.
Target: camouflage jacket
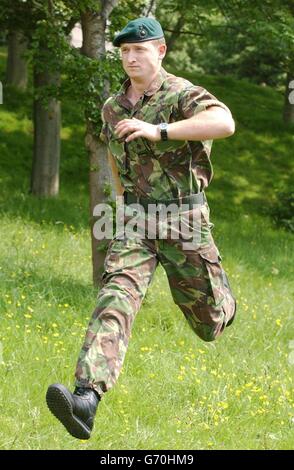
(166, 169)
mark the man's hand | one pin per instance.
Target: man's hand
(136, 128)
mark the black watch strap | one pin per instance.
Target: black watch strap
(163, 131)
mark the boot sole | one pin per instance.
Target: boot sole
(60, 406)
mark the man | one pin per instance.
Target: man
(159, 129)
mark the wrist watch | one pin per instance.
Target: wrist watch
(163, 130)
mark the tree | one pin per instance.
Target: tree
(41, 25)
(16, 68)
(12, 22)
(47, 120)
(49, 46)
(94, 38)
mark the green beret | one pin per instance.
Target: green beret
(139, 30)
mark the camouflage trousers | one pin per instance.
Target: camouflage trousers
(198, 284)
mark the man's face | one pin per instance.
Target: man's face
(142, 59)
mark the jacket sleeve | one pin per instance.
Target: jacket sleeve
(194, 99)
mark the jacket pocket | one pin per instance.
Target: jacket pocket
(214, 273)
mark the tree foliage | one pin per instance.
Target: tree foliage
(242, 38)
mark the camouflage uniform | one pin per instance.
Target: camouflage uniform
(163, 170)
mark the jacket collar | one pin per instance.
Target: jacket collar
(154, 86)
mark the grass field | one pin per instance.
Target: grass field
(175, 392)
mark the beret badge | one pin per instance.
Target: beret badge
(142, 31)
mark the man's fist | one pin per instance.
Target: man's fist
(136, 128)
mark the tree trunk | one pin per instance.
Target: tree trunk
(288, 112)
(175, 34)
(47, 123)
(16, 67)
(94, 26)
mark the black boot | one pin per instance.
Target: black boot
(76, 411)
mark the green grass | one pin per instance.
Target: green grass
(175, 392)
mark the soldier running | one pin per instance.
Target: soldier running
(159, 130)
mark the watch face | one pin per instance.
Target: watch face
(163, 126)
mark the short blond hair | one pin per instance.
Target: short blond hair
(160, 41)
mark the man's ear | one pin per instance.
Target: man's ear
(162, 51)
